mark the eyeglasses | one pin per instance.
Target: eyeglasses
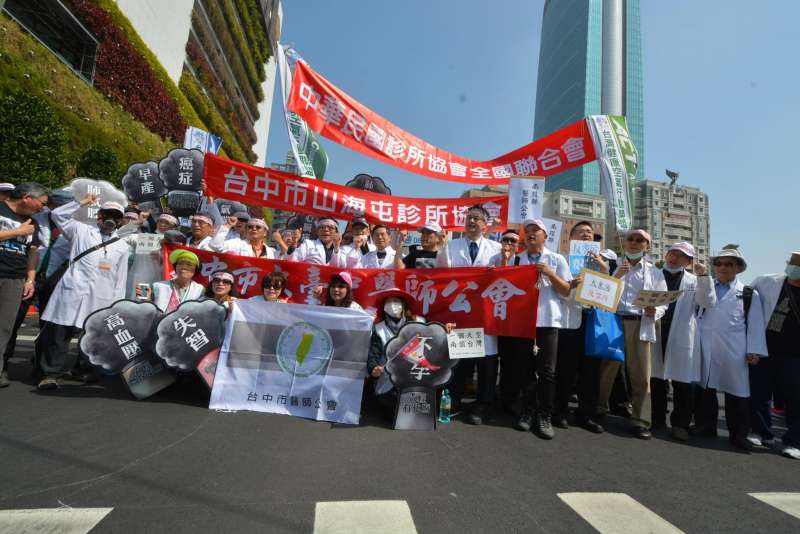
(476, 218)
(635, 240)
(275, 286)
(254, 226)
(326, 227)
(725, 264)
(509, 240)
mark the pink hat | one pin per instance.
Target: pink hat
(684, 248)
(222, 275)
(113, 206)
(169, 218)
(131, 215)
(538, 222)
(258, 222)
(431, 226)
(346, 277)
(640, 232)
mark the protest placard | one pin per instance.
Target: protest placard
(578, 254)
(553, 233)
(599, 290)
(466, 343)
(647, 298)
(525, 199)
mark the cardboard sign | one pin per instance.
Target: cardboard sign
(416, 409)
(553, 233)
(148, 243)
(104, 191)
(142, 183)
(182, 170)
(466, 343)
(647, 298)
(525, 199)
(190, 332)
(599, 290)
(579, 254)
(146, 377)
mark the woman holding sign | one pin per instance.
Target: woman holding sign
(168, 295)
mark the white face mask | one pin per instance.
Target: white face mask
(393, 308)
(672, 270)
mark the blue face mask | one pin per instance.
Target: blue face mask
(634, 255)
(672, 270)
(793, 272)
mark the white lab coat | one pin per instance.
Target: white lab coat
(95, 281)
(550, 311)
(371, 260)
(725, 344)
(456, 254)
(240, 247)
(653, 281)
(682, 361)
(313, 251)
(203, 244)
(162, 291)
(769, 289)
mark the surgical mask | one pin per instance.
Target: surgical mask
(393, 309)
(634, 255)
(672, 270)
(793, 272)
(108, 225)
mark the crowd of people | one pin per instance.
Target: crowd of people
(719, 337)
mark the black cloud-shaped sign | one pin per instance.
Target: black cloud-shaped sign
(193, 330)
(115, 336)
(182, 170)
(142, 182)
(418, 356)
(366, 182)
(228, 207)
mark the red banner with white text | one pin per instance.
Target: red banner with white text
(501, 300)
(331, 112)
(267, 187)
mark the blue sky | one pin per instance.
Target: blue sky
(720, 92)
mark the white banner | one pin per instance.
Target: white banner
(525, 199)
(293, 359)
(617, 158)
(553, 234)
(295, 126)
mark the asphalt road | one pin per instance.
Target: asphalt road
(170, 464)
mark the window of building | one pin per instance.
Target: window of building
(57, 29)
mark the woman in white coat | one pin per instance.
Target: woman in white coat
(730, 342)
(170, 294)
(95, 281)
(676, 354)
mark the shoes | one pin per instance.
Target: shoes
(524, 422)
(4, 382)
(741, 443)
(680, 434)
(544, 427)
(589, 424)
(791, 452)
(560, 421)
(778, 412)
(477, 415)
(642, 432)
(754, 440)
(47, 383)
(703, 431)
(624, 409)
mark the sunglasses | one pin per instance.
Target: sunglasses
(221, 281)
(254, 226)
(275, 286)
(636, 240)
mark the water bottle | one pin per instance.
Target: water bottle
(444, 407)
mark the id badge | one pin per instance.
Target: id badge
(104, 265)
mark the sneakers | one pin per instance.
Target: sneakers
(4, 382)
(680, 434)
(544, 427)
(754, 440)
(560, 421)
(524, 422)
(477, 415)
(791, 452)
(48, 383)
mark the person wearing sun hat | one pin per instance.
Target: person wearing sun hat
(95, 280)
(732, 337)
(677, 355)
(340, 292)
(169, 294)
(637, 273)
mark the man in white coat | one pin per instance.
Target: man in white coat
(202, 231)
(780, 300)
(325, 249)
(638, 273)
(252, 244)
(94, 281)
(732, 338)
(474, 250)
(382, 257)
(676, 357)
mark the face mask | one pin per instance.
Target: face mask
(634, 255)
(793, 272)
(393, 309)
(108, 225)
(672, 270)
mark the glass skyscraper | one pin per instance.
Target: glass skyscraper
(590, 63)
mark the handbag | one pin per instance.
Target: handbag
(605, 338)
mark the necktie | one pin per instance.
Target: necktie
(473, 251)
(380, 254)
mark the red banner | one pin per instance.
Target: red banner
(276, 189)
(331, 112)
(501, 300)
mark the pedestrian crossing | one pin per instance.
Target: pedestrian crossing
(617, 513)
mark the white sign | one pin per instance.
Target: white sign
(147, 243)
(553, 233)
(599, 290)
(525, 199)
(201, 140)
(647, 298)
(466, 343)
(578, 254)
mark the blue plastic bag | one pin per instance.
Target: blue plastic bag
(604, 336)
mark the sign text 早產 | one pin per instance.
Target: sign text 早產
(502, 300)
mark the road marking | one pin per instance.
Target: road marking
(362, 517)
(55, 520)
(617, 512)
(785, 502)
(33, 338)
